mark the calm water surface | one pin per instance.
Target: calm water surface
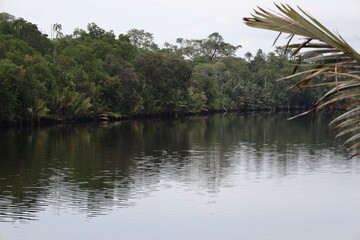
(228, 177)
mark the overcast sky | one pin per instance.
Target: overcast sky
(189, 19)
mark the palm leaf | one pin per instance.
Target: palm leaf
(334, 60)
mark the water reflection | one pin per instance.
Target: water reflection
(92, 169)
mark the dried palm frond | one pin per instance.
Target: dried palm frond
(332, 57)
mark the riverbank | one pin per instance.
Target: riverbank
(108, 118)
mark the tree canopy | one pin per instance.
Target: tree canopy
(94, 72)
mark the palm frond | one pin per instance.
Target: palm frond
(334, 60)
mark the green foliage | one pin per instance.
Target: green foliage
(142, 40)
(213, 48)
(92, 72)
(166, 78)
(14, 49)
(121, 88)
(206, 86)
(197, 99)
(66, 103)
(6, 17)
(11, 77)
(38, 109)
(27, 32)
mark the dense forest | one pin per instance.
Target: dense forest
(93, 73)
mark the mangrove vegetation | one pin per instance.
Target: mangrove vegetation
(95, 73)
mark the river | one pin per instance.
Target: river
(251, 177)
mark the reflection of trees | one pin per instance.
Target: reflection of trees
(94, 168)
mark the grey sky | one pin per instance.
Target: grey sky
(191, 19)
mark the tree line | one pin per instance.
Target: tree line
(93, 72)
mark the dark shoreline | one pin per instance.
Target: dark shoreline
(103, 118)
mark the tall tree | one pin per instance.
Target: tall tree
(57, 28)
(6, 17)
(142, 40)
(213, 48)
